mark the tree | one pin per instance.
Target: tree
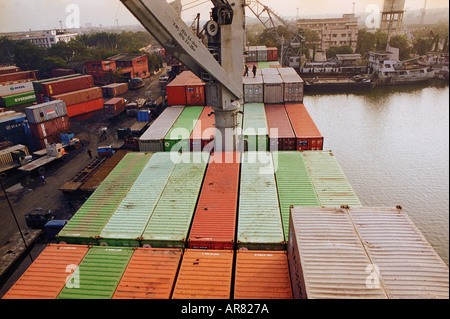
(345, 49)
(49, 63)
(366, 42)
(421, 46)
(27, 56)
(401, 42)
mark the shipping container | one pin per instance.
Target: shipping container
(114, 107)
(287, 71)
(16, 88)
(308, 135)
(408, 266)
(281, 134)
(12, 124)
(262, 275)
(99, 176)
(128, 222)
(273, 89)
(51, 127)
(66, 85)
(86, 107)
(144, 116)
(255, 131)
(204, 131)
(326, 257)
(9, 69)
(169, 224)
(17, 99)
(150, 274)
(252, 54)
(46, 111)
(253, 89)
(80, 96)
(268, 71)
(99, 273)
(153, 139)
(48, 274)
(37, 85)
(330, 182)
(186, 89)
(62, 72)
(6, 156)
(204, 274)
(114, 89)
(195, 92)
(262, 53)
(17, 76)
(259, 219)
(88, 222)
(263, 66)
(214, 223)
(294, 185)
(293, 88)
(178, 136)
(41, 143)
(272, 54)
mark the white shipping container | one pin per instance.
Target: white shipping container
(253, 89)
(293, 88)
(261, 53)
(39, 113)
(16, 88)
(273, 89)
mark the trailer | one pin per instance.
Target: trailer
(53, 152)
(12, 158)
(82, 176)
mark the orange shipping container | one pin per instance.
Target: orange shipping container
(47, 275)
(262, 275)
(80, 96)
(85, 107)
(307, 134)
(204, 131)
(214, 224)
(204, 274)
(150, 274)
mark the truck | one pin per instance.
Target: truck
(135, 83)
(55, 151)
(12, 158)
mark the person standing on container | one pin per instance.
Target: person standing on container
(246, 70)
(254, 70)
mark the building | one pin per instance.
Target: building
(48, 39)
(101, 71)
(333, 32)
(132, 65)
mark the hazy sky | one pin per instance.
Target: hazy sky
(22, 15)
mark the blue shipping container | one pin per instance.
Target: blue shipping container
(143, 116)
(12, 125)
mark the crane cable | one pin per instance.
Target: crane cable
(195, 5)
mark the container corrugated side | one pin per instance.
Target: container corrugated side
(80, 96)
(262, 53)
(262, 275)
(254, 129)
(17, 99)
(214, 223)
(16, 88)
(51, 127)
(46, 111)
(86, 107)
(204, 130)
(153, 139)
(169, 225)
(150, 274)
(47, 275)
(178, 136)
(205, 274)
(66, 85)
(408, 266)
(294, 184)
(287, 71)
(259, 219)
(253, 89)
(308, 135)
(326, 257)
(99, 273)
(331, 184)
(293, 88)
(273, 88)
(87, 223)
(281, 134)
(128, 222)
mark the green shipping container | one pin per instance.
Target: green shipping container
(255, 131)
(259, 219)
(86, 225)
(17, 99)
(169, 225)
(263, 65)
(127, 224)
(182, 129)
(98, 274)
(294, 184)
(330, 182)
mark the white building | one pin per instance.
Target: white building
(48, 39)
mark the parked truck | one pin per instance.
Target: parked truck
(12, 158)
(135, 83)
(55, 151)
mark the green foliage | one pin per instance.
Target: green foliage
(345, 49)
(401, 42)
(50, 63)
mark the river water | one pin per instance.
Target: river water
(393, 145)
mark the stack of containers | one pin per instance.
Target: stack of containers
(88, 222)
(169, 224)
(16, 87)
(214, 224)
(37, 86)
(12, 127)
(306, 132)
(186, 89)
(46, 122)
(202, 136)
(78, 93)
(255, 130)
(259, 219)
(253, 89)
(293, 85)
(252, 54)
(114, 89)
(281, 134)
(178, 136)
(153, 139)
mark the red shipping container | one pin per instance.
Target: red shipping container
(186, 89)
(195, 91)
(50, 139)
(80, 96)
(85, 107)
(114, 107)
(214, 223)
(17, 76)
(204, 131)
(9, 69)
(277, 119)
(272, 54)
(67, 85)
(307, 134)
(51, 127)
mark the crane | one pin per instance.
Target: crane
(267, 16)
(219, 65)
